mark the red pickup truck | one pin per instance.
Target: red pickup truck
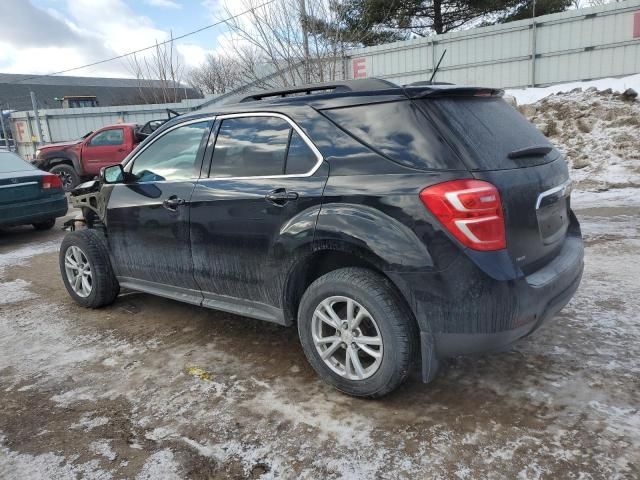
(74, 161)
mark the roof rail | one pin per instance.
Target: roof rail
(329, 87)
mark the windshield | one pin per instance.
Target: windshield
(86, 135)
(10, 162)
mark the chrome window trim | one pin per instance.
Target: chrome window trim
(294, 125)
(563, 187)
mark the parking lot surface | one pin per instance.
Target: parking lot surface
(150, 388)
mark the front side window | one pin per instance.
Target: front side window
(108, 137)
(250, 147)
(173, 156)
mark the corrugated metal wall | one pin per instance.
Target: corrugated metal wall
(575, 45)
(59, 125)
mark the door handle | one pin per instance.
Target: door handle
(280, 196)
(173, 202)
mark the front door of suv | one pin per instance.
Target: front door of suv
(148, 217)
(256, 209)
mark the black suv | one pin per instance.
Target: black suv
(392, 225)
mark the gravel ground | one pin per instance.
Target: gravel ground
(153, 389)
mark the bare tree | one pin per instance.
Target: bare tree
(218, 74)
(159, 74)
(288, 42)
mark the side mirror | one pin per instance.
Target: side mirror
(112, 174)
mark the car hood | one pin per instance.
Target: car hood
(57, 146)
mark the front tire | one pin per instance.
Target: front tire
(357, 333)
(68, 176)
(86, 269)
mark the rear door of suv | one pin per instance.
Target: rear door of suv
(255, 209)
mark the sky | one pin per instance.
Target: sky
(44, 36)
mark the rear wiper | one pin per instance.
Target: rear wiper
(536, 150)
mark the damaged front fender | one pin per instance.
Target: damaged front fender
(91, 196)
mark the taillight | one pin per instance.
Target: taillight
(51, 181)
(470, 210)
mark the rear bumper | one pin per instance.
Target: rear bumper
(33, 211)
(463, 310)
(540, 297)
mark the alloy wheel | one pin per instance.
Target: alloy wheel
(78, 270)
(347, 338)
(66, 179)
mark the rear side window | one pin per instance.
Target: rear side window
(260, 146)
(250, 146)
(400, 131)
(486, 130)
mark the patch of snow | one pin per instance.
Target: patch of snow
(533, 94)
(21, 255)
(103, 448)
(15, 291)
(617, 197)
(47, 465)
(160, 466)
(88, 422)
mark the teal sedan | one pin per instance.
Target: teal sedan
(28, 196)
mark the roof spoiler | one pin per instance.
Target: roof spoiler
(443, 90)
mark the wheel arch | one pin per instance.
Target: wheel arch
(327, 257)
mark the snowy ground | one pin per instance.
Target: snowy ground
(154, 389)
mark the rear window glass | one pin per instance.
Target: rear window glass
(398, 130)
(487, 130)
(10, 162)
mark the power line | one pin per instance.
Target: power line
(206, 27)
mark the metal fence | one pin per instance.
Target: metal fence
(575, 45)
(63, 124)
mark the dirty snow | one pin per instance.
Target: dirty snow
(15, 291)
(532, 95)
(597, 131)
(150, 388)
(23, 254)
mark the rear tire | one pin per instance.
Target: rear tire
(46, 225)
(378, 353)
(68, 176)
(86, 269)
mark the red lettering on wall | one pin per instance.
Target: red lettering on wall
(359, 67)
(636, 25)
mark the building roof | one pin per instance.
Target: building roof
(15, 90)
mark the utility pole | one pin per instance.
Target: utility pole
(34, 104)
(533, 46)
(4, 129)
(305, 40)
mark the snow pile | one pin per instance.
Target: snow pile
(597, 130)
(531, 95)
